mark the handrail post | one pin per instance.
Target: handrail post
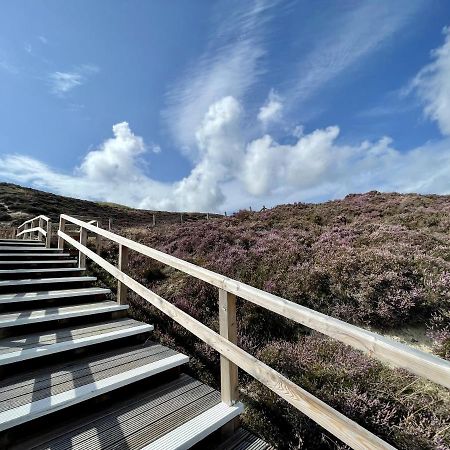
(228, 370)
(98, 240)
(81, 255)
(48, 238)
(62, 227)
(40, 225)
(122, 265)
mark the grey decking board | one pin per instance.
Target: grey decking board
(19, 297)
(57, 280)
(243, 440)
(139, 417)
(126, 408)
(14, 344)
(77, 378)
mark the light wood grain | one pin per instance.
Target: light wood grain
(122, 266)
(81, 255)
(228, 330)
(342, 427)
(377, 346)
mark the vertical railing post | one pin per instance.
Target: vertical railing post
(40, 225)
(62, 227)
(48, 238)
(81, 255)
(227, 325)
(98, 240)
(122, 266)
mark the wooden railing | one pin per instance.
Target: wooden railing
(225, 342)
(40, 227)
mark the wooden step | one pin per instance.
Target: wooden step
(24, 273)
(18, 256)
(175, 415)
(242, 440)
(12, 319)
(50, 295)
(20, 348)
(27, 397)
(44, 281)
(23, 248)
(41, 262)
(21, 242)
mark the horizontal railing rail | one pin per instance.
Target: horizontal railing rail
(35, 228)
(232, 356)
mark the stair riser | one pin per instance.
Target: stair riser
(36, 265)
(57, 324)
(44, 287)
(30, 256)
(56, 272)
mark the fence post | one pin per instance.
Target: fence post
(154, 220)
(98, 241)
(40, 225)
(48, 238)
(122, 266)
(62, 227)
(228, 370)
(81, 255)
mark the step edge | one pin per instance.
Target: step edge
(14, 357)
(62, 316)
(197, 429)
(26, 413)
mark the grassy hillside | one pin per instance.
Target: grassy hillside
(381, 261)
(18, 204)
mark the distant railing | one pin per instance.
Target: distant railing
(232, 356)
(39, 227)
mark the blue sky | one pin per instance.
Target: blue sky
(220, 105)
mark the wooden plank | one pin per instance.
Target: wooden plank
(122, 266)
(228, 330)
(32, 346)
(57, 280)
(197, 429)
(83, 241)
(341, 426)
(27, 317)
(39, 230)
(377, 346)
(82, 392)
(37, 262)
(62, 227)
(49, 295)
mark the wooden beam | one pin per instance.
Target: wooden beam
(81, 255)
(341, 426)
(228, 330)
(385, 349)
(62, 227)
(48, 238)
(122, 265)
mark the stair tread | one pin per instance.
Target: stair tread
(58, 313)
(45, 281)
(31, 395)
(45, 270)
(32, 249)
(39, 261)
(167, 416)
(21, 255)
(57, 293)
(19, 348)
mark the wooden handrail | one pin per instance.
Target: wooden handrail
(42, 234)
(377, 346)
(232, 356)
(341, 426)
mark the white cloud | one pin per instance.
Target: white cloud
(43, 39)
(433, 85)
(228, 67)
(271, 110)
(63, 82)
(347, 39)
(231, 173)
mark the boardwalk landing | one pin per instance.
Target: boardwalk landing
(77, 373)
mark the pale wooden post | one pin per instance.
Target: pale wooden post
(81, 255)
(122, 266)
(48, 238)
(62, 227)
(98, 241)
(154, 220)
(228, 329)
(40, 225)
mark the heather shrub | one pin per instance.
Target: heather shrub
(378, 260)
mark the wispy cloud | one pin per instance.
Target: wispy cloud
(347, 39)
(229, 66)
(43, 39)
(63, 82)
(271, 110)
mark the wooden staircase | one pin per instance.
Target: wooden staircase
(77, 373)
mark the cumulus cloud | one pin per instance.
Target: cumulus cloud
(271, 110)
(433, 85)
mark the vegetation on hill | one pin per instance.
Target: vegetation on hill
(380, 261)
(18, 204)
